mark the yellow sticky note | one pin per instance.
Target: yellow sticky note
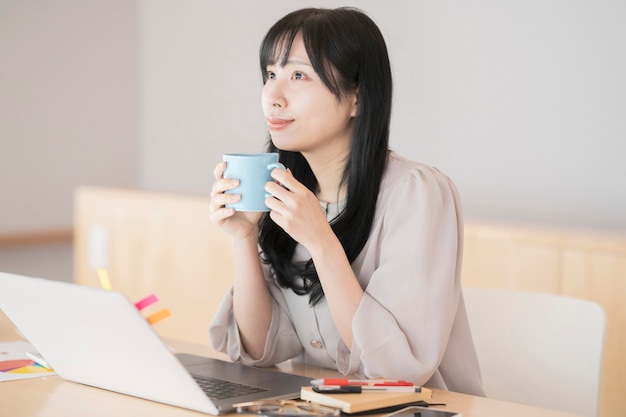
(30, 370)
(105, 282)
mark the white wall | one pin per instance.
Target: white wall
(200, 84)
(521, 103)
(68, 105)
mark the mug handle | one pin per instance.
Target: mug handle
(271, 167)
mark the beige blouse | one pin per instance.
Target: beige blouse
(411, 323)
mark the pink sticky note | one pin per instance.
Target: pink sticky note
(149, 300)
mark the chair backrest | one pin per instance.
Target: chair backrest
(155, 243)
(538, 349)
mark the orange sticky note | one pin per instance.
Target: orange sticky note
(158, 316)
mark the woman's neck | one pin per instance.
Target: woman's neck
(329, 173)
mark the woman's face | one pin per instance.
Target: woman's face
(303, 115)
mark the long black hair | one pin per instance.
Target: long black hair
(347, 51)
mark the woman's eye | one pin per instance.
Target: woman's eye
(270, 75)
(298, 75)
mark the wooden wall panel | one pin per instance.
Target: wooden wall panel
(157, 243)
(507, 258)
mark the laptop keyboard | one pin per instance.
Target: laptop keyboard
(218, 389)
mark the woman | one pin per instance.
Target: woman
(357, 264)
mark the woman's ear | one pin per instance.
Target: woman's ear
(355, 103)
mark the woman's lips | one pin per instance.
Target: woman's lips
(276, 123)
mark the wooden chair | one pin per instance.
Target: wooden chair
(155, 243)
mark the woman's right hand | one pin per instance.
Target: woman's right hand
(240, 225)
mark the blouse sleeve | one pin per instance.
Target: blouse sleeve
(402, 325)
(281, 343)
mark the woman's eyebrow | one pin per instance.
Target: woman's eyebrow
(297, 62)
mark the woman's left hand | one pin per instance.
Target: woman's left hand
(296, 209)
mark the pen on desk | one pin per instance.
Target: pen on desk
(38, 360)
(356, 389)
(362, 382)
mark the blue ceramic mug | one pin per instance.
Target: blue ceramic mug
(253, 171)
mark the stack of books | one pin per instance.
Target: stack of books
(355, 396)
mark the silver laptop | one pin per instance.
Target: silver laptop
(98, 338)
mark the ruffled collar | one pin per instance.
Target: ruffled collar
(332, 210)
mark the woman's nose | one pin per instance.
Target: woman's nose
(274, 94)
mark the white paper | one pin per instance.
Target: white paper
(15, 351)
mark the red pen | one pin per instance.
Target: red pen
(357, 389)
(362, 382)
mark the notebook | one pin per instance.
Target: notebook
(99, 338)
(366, 401)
